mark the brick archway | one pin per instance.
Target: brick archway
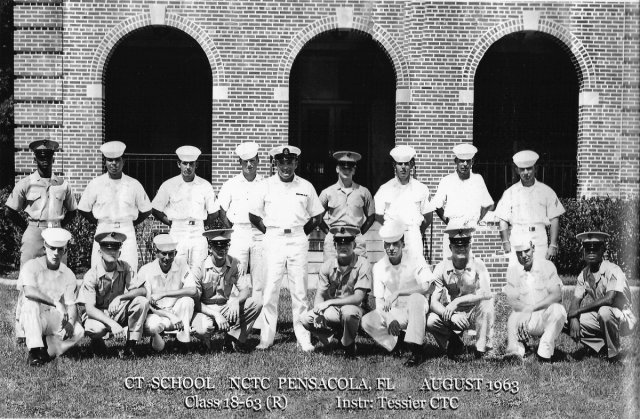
(124, 28)
(382, 37)
(570, 43)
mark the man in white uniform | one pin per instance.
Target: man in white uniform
(116, 202)
(170, 291)
(287, 209)
(534, 291)
(461, 196)
(49, 306)
(346, 202)
(184, 203)
(405, 200)
(527, 208)
(400, 287)
(235, 200)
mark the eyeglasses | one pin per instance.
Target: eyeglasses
(592, 246)
(347, 165)
(220, 245)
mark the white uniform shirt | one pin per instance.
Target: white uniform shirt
(404, 203)
(114, 200)
(54, 284)
(536, 204)
(533, 286)
(236, 195)
(155, 280)
(181, 200)
(286, 204)
(409, 273)
(462, 199)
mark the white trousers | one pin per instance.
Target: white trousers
(246, 246)
(40, 320)
(413, 242)
(129, 249)
(192, 245)
(285, 252)
(183, 308)
(546, 323)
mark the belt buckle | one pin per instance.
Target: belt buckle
(287, 231)
(191, 223)
(532, 228)
(116, 224)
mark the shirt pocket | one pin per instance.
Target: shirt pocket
(207, 290)
(32, 196)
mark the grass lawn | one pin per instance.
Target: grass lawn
(80, 385)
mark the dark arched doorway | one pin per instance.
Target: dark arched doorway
(526, 97)
(158, 97)
(342, 97)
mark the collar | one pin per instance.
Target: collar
(450, 268)
(158, 271)
(349, 267)
(243, 179)
(340, 185)
(397, 184)
(100, 268)
(208, 263)
(535, 183)
(54, 180)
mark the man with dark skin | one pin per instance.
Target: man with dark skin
(600, 323)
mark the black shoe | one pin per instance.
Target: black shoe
(37, 357)
(398, 350)
(615, 359)
(21, 342)
(455, 347)
(582, 353)
(98, 347)
(182, 347)
(417, 356)
(350, 351)
(232, 345)
(543, 360)
(127, 351)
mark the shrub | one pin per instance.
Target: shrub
(617, 217)
(9, 237)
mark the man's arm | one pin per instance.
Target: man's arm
(222, 215)
(141, 217)
(88, 215)
(606, 300)
(312, 224)
(131, 294)
(484, 211)
(426, 222)
(504, 236)
(96, 314)
(161, 216)
(353, 299)
(553, 238)
(440, 212)
(368, 223)
(68, 217)
(554, 296)
(257, 222)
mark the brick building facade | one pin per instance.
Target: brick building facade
(63, 47)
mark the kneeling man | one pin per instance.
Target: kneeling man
(225, 301)
(170, 291)
(49, 305)
(462, 298)
(600, 323)
(343, 284)
(113, 298)
(534, 291)
(400, 282)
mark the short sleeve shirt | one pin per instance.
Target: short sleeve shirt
(236, 197)
(41, 198)
(286, 204)
(100, 290)
(536, 204)
(608, 278)
(404, 203)
(473, 279)
(114, 200)
(216, 284)
(155, 280)
(54, 284)
(347, 205)
(409, 273)
(462, 199)
(342, 284)
(181, 200)
(533, 286)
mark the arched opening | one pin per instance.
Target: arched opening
(342, 97)
(526, 97)
(158, 97)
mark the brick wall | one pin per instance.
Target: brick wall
(435, 47)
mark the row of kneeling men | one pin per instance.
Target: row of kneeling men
(410, 298)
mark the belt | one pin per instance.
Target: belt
(286, 230)
(116, 224)
(186, 222)
(44, 223)
(529, 227)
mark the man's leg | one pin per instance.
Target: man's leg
(484, 317)
(439, 330)
(328, 248)
(418, 307)
(298, 248)
(332, 321)
(154, 325)
(275, 260)
(203, 327)
(32, 244)
(610, 318)
(376, 324)
(183, 308)
(548, 323)
(591, 333)
(249, 312)
(133, 314)
(350, 317)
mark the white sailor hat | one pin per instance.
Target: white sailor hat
(218, 235)
(113, 149)
(165, 242)
(522, 244)
(464, 151)
(56, 237)
(44, 146)
(592, 237)
(285, 151)
(459, 232)
(525, 158)
(247, 151)
(402, 153)
(188, 153)
(348, 156)
(391, 231)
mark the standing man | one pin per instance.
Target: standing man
(287, 209)
(224, 295)
(462, 298)
(527, 208)
(463, 195)
(49, 306)
(116, 202)
(46, 198)
(599, 323)
(170, 291)
(235, 198)
(405, 200)
(113, 298)
(534, 292)
(400, 287)
(343, 284)
(184, 203)
(346, 202)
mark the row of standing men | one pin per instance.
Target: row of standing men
(272, 217)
